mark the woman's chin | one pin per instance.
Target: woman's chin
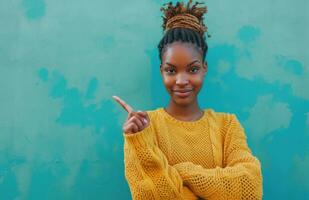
(182, 101)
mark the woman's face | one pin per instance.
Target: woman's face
(183, 72)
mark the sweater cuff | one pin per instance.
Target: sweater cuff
(141, 139)
(187, 169)
(183, 169)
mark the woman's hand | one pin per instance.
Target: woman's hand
(136, 121)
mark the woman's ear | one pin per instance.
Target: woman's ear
(161, 69)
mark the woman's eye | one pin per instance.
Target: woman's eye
(169, 71)
(194, 69)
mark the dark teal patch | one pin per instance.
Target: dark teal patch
(59, 85)
(248, 34)
(77, 108)
(43, 74)
(34, 9)
(290, 65)
(8, 181)
(91, 181)
(106, 43)
(92, 87)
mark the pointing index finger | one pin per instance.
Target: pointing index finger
(123, 104)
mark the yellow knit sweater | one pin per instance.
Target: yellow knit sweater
(204, 159)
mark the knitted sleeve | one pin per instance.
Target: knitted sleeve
(147, 170)
(241, 176)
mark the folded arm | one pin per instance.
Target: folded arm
(147, 170)
(241, 177)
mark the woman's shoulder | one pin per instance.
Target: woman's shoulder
(220, 117)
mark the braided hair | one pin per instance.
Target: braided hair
(185, 24)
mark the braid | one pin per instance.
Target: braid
(185, 24)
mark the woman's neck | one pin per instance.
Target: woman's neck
(190, 112)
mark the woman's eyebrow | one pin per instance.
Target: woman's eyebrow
(187, 65)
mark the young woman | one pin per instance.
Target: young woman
(182, 151)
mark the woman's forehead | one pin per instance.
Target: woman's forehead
(181, 52)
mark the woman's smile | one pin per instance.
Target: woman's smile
(182, 93)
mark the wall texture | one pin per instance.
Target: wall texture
(61, 61)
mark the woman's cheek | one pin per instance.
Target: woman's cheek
(198, 80)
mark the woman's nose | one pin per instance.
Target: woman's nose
(182, 79)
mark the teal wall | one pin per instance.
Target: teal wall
(61, 61)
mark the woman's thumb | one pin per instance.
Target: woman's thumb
(144, 115)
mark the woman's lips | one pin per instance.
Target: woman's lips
(182, 94)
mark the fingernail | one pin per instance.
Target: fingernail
(145, 121)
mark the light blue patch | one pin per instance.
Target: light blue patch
(34, 9)
(248, 34)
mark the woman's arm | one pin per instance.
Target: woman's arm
(241, 178)
(147, 171)
(146, 167)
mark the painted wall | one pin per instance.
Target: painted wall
(61, 61)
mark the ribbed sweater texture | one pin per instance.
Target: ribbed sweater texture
(204, 159)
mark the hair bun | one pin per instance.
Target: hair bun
(184, 16)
